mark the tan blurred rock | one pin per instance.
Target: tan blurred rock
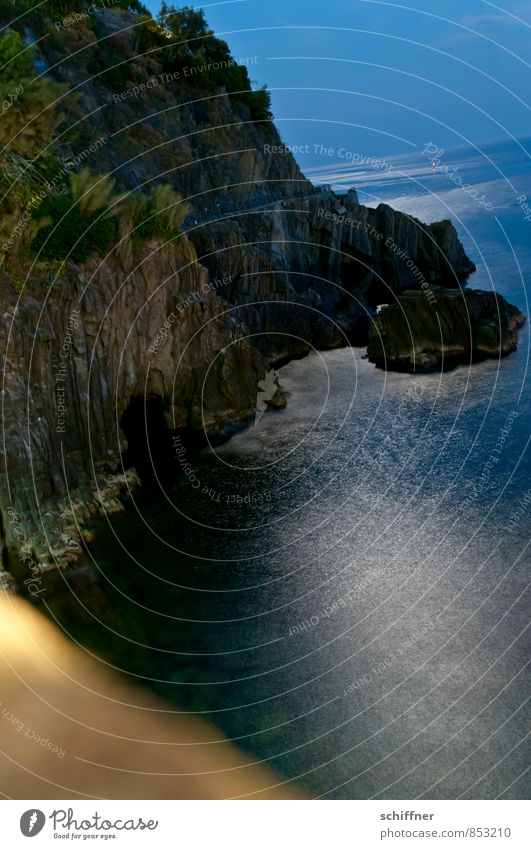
(71, 728)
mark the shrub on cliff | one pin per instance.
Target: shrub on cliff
(30, 116)
(90, 218)
(16, 59)
(164, 214)
(81, 222)
(29, 120)
(91, 192)
(259, 103)
(21, 233)
(137, 7)
(71, 234)
(156, 215)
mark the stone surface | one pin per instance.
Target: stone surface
(459, 326)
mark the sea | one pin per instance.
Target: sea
(345, 593)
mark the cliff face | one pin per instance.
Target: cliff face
(158, 124)
(174, 339)
(78, 356)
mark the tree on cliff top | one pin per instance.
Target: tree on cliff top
(193, 43)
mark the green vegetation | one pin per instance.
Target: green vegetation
(60, 8)
(159, 214)
(16, 60)
(78, 214)
(79, 223)
(70, 233)
(91, 218)
(188, 47)
(47, 207)
(29, 115)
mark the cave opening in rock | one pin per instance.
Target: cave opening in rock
(149, 441)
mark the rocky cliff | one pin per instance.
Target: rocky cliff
(318, 266)
(107, 360)
(459, 326)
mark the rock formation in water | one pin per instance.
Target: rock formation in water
(173, 336)
(418, 333)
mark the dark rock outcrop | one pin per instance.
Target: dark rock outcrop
(315, 267)
(455, 326)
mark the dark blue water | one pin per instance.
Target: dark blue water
(346, 599)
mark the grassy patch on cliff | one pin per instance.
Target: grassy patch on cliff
(90, 218)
